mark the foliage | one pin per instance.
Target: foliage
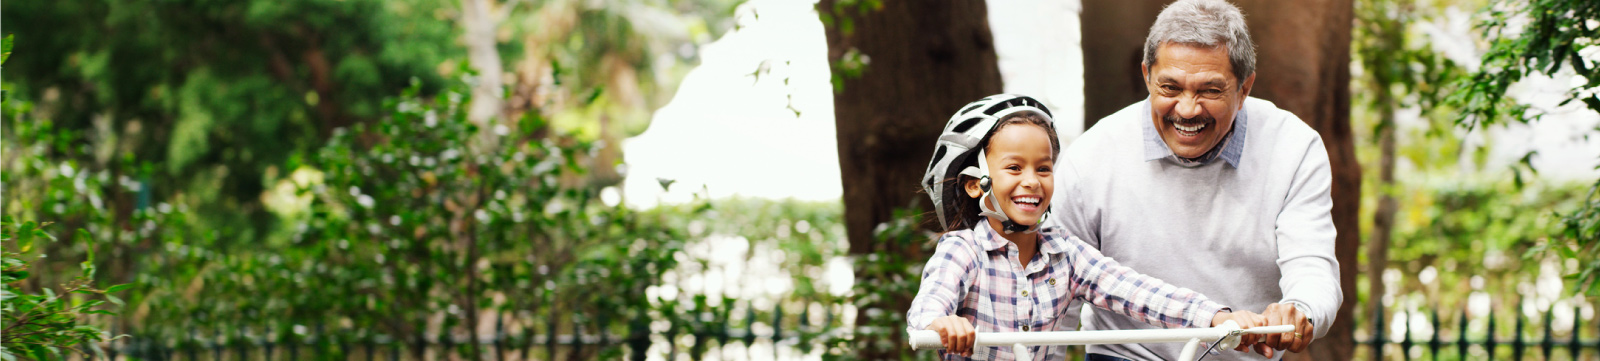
(40, 324)
(882, 279)
(1532, 37)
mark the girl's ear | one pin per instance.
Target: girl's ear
(971, 185)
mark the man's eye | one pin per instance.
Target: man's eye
(1169, 88)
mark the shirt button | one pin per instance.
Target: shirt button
(1024, 294)
(1052, 281)
(1024, 327)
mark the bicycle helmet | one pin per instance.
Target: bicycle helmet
(961, 135)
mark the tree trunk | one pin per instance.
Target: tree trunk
(924, 60)
(1383, 217)
(1302, 65)
(479, 23)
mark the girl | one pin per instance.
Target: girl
(996, 269)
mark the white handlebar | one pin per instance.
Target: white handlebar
(924, 339)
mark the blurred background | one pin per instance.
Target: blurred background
(717, 179)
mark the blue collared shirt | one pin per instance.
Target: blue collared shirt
(1230, 149)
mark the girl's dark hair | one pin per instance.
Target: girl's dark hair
(960, 210)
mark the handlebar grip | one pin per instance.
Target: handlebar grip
(925, 339)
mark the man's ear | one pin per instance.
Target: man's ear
(1244, 88)
(973, 190)
(1144, 70)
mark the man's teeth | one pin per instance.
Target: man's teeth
(1191, 129)
(1028, 200)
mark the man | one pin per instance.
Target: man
(1207, 188)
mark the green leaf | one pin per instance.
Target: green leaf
(5, 50)
(115, 300)
(119, 287)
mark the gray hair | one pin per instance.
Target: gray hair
(1209, 23)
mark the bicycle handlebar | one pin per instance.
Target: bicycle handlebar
(925, 339)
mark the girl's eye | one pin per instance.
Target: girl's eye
(1044, 169)
(1014, 167)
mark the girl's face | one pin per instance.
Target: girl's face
(1020, 168)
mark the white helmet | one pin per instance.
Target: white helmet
(961, 135)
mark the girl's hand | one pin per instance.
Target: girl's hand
(1245, 319)
(956, 333)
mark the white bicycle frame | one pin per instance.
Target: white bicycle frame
(1019, 341)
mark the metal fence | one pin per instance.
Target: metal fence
(1530, 339)
(554, 342)
(1461, 346)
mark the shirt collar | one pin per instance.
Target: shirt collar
(1051, 241)
(1231, 147)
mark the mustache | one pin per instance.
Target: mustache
(1202, 118)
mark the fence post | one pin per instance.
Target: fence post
(1549, 342)
(194, 343)
(749, 325)
(1405, 339)
(805, 328)
(527, 343)
(241, 343)
(294, 345)
(697, 328)
(777, 327)
(217, 345)
(577, 337)
(1489, 343)
(1461, 340)
(1435, 342)
(1378, 338)
(639, 338)
(447, 343)
(550, 339)
(499, 336)
(1577, 322)
(271, 340)
(1518, 343)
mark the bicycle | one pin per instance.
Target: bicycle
(1227, 336)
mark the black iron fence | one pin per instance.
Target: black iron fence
(1523, 342)
(565, 341)
(1529, 338)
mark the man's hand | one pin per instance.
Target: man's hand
(1287, 314)
(1245, 319)
(956, 333)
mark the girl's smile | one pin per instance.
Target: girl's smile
(1021, 161)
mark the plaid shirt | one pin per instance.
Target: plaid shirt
(975, 275)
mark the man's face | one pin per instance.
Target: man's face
(1193, 96)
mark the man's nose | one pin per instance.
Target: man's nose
(1189, 107)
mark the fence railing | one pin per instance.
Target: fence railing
(1535, 338)
(553, 342)
(1462, 345)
